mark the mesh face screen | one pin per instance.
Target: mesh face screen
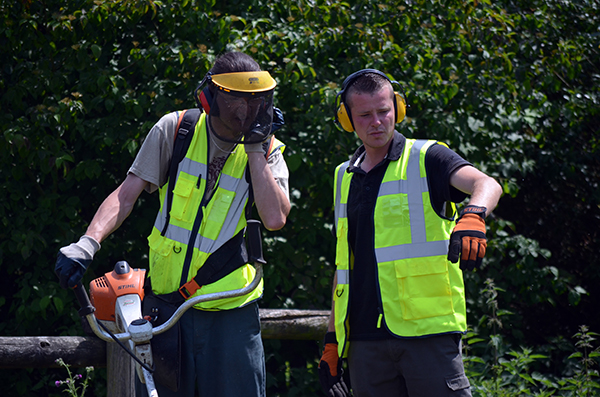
(240, 117)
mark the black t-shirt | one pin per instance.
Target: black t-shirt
(365, 303)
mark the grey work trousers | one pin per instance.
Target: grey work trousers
(222, 354)
(415, 367)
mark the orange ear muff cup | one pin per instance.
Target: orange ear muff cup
(344, 119)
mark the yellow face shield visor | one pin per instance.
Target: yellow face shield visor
(244, 82)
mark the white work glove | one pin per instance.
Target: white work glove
(74, 259)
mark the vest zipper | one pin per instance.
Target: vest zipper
(380, 318)
(346, 322)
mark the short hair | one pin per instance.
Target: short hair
(233, 62)
(368, 83)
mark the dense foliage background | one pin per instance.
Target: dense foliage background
(513, 86)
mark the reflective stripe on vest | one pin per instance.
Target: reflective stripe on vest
(229, 229)
(411, 243)
(414, 186)
(339, 207)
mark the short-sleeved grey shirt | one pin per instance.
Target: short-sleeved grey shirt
(154, 157)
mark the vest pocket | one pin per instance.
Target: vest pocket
(424, 288)
(165, 276)
(186, 200)
(218, 211)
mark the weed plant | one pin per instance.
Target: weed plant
(75, 386)
(496, 369)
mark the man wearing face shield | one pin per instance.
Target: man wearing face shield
(242, 106)
(232, 160)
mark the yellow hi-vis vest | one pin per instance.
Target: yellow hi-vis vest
(222, 218)
(422, 293)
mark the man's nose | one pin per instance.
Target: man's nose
(375, 119)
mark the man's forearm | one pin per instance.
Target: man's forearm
(272, 204)
(486, 193)
(115, 208)
(484, 190)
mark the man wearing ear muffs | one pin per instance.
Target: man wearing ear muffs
(232, 161)
(398, 307)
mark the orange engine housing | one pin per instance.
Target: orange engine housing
(105, 290)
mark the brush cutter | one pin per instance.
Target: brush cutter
(115, 310)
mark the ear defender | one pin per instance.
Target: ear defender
(206, 99)
(400, 105)
(203, 97)
(343, 119)
(342, 114)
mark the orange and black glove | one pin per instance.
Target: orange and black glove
(330, 369)
(468, 238)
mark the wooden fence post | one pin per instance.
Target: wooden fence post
(120, 376)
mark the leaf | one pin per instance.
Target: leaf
(58, 304)
(96, 50)
(294, 161)
(109, 104)
(44, 302)
(452, 91)
(63, 159)
(138, 111)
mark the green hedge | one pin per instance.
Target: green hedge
(513, 86)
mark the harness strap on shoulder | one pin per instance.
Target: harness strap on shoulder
(270, 148)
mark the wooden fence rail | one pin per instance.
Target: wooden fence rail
(80, 351)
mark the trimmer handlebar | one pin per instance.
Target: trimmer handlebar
(88, 310)
(255, 255)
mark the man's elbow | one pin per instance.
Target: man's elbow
(499, 189)
(275, 223)
(494, 192)
(496, 187)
